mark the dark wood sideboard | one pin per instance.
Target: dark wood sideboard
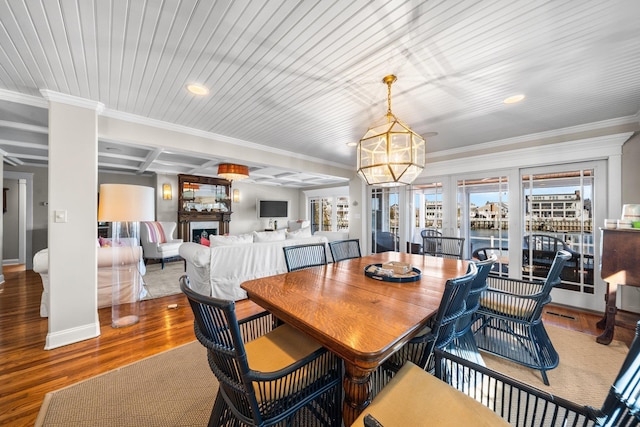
(203, 199)
(619, 265)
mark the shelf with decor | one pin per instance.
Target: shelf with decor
(203, 199)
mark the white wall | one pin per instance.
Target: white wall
(166, 210)
(631, 170)
(245, 214)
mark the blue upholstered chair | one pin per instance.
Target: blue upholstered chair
(509, 319)
(345, 249)
(305, 256)
(267, 375)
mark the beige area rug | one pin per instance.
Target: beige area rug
(161, 282)
(177, 388)
(585, 373)
(174, 388)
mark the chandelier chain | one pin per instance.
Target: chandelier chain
(389, 98)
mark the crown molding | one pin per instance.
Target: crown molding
(215, 136)
(546, 135)
(601, 147)
(76, 101)
(20, 98)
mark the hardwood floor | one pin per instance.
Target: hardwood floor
(28, 372)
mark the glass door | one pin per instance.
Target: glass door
(560, 208)
(385, 217)
(483, 218)
(559, 213)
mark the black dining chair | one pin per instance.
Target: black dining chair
(463, 343)
(298, 257)
(439, 333)
(345, 249)
(443, 246)
(414, 397)
(430, 240)
(508, 322)
(267, 375)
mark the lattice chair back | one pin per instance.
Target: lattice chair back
(453, 305)
(216, 327)
(440, 333)
(430, 241)
(345, 249)
(305, 256)
(463, 343)
(505, 395)
(451, 247)
(523, 300)
(252, 397)
(479, 284)
(622, 405)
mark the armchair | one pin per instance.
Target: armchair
(414, 397)
(156, 238)
(508, 322)
(419, 350)
(268, 375)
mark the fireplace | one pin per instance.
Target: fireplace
(198, 233)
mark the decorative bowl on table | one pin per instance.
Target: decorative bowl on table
(379, 272)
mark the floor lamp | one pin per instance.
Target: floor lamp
(124, 206)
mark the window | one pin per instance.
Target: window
(328, 209)
(321, 214)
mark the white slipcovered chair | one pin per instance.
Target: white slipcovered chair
(130, 272)
(156, 238)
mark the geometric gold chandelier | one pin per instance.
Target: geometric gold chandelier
(390, 154)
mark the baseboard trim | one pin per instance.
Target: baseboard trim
(72, 335)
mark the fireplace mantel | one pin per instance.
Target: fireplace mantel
(203, 199)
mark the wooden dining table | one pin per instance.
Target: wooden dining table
(359, 318)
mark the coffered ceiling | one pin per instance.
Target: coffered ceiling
(304, 77)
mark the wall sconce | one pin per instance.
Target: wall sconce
(236, 196)
(166, 191)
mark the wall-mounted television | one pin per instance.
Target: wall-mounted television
(273, 209)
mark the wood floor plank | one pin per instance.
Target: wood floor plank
(28, 372)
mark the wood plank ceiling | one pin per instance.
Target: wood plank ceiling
(305, 76)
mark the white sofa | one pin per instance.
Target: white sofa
(131, 270)
(332, 236)
(220, 269)
(156, 238)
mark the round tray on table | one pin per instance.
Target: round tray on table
(412, 276)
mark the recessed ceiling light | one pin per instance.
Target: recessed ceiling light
(514, 99)
(197, 89)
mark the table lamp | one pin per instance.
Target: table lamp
(124, 206)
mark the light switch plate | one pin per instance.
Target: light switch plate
(60, 216)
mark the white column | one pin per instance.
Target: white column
(72, 219)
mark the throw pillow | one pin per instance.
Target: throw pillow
(155, 231)
(269, 236)
(240, 239)
(299, 234)
(204, 241)
(104, 243)
(298, 224)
